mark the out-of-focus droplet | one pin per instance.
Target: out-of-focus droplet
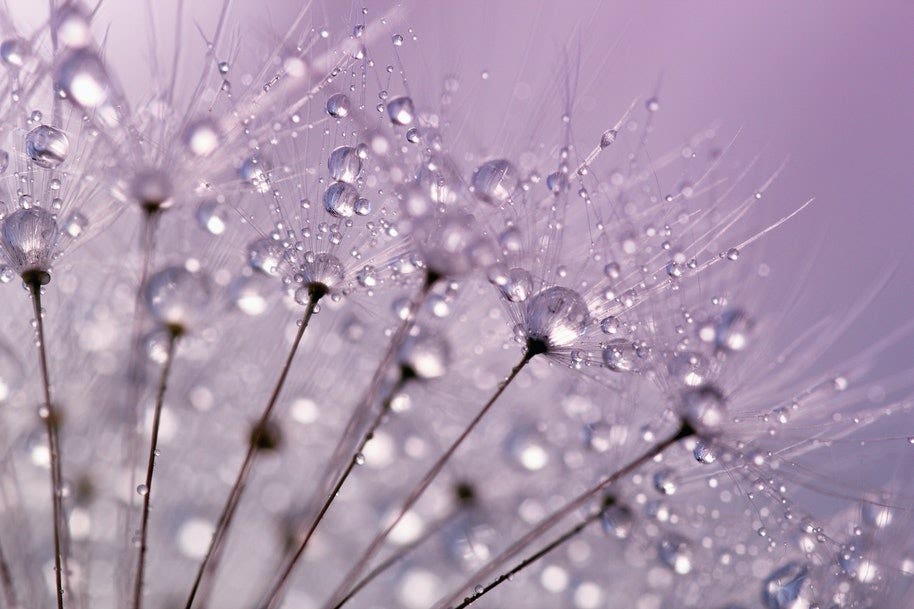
(493, 182)
(212, 216)
(400, 110)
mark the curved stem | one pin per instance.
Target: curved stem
(685, 430)
(338, 598)
(561, 539)
(210, 561)
(34, 281)
(275, 593)
(173, 336)
(6, 579)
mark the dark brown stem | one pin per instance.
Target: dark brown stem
(35, 280)
(561, 539)
(6, 580)
(396, 557)
(275, 593)
(533, 349)
(685, 431)
(210, 562)
(173, 336)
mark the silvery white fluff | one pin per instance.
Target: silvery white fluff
(303, 344)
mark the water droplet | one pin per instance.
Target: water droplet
(557, 182)
(75, 224)
(29, 239)
(426, 355)
(608, 138)
(177, 297)
(83, 78)
(493, 182)
(202, 137)
(340, 199)
(515, 284)
(256, 172)
(704, 408)
(72, 25)
(665, 481)
(400, 110)
(558, 316)
(344, 164)
(47, 146)
(267, 256)
(338, 105)
(675, 552)
(14, 52)
(142, 490)
(617, 520)
(212, 216)
(783, 588)
(618, 355)
(728, 332)
(323, 269)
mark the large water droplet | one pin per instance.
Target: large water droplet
(29, 239)
(14, 52)
(323, 269)
(177, 297)
(783, 588)
(426, 355)
(676, 553)
(494, 181)
(267, 256)
(338, 105)
(344, 164)
(212, 216)
(84, 79)
(340, 199)
(557, 316)
(47, 146)
(704, 409)
(400, 110)
(202, 137)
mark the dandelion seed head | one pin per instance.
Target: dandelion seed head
(30, 239)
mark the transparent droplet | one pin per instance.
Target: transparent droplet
(30, 239)
(84, 79)
(344, 164)
(177, 297)
(400, 110)
(665, 481)
(47, 146)
(783, 588)
(202, 137)
(619, 356)
(14, 52)
(324, 269)
(675, 552)
(266, 256)
(338, 105)
(340, 199)
(557, 316)
(426, 355)
(75, 224)
(255, 171)
(212, 216)
(704, 409)
(617, 520)
(515, 285)
(557, 182)
(72, 25)
(493, 182)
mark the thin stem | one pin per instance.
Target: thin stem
(344, 446)
(6, 580)
(210, 562)
(396, 557)
(685, 430)
(173, 336)
(34, 281)
(275, 593)
(561, 539)
(530, 352)
(134, 380)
